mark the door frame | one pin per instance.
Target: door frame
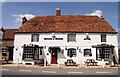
(51, 48)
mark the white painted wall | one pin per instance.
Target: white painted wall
(21, 39)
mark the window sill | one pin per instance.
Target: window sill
(72, 42)
(87, 56)
(35, 41)
(103, 42)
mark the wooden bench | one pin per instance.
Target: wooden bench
(90, 62)
(70, 62)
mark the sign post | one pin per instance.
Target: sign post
(103, 63)
(18, 63)
(58, 61)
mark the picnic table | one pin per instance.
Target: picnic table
(40, 62)
(4, 59)
(70, 62)
(90, 62)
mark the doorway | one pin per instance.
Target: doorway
(54, 54)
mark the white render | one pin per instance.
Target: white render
(25, 38)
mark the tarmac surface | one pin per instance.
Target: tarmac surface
(20, 69)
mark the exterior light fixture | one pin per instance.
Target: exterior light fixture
(65, 47)
(53, 36)
(16, 49)
(80, 51)
(87, 37)
(62, 51)
(45, 47)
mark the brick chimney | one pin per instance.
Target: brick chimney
(58, 12)
(24, 19)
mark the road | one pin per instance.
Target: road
(58, 71)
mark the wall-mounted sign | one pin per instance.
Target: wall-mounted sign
(53, 38)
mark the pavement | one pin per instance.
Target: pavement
(7, 70)
(58, 66)
(55, 69)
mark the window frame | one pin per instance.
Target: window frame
(35, 37)
(103, 37)
(71, 52)
(28, 53)
(104, 54)
(73, 39)
(32, 53)
(86, 53)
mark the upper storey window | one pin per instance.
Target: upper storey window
(103, 37)
(71, 37)
(35, 38)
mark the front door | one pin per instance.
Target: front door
(54, 55)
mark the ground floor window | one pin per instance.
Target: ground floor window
(104, 53)
(71, 52)
(28, 53)
(87, 52)
(32, 53)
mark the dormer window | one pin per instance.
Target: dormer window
(103, 37)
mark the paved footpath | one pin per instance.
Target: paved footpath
(51, 70)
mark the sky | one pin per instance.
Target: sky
(59, 0)
(12, 12)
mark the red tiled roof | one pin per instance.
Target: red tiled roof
(66, 23)
(9, 33)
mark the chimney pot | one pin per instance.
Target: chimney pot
(58, 12)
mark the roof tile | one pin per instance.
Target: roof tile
(66, 23)
(9, 33)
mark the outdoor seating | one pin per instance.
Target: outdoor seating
(70, 62)
(40, 62)
(4, 59)
(90, 62)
